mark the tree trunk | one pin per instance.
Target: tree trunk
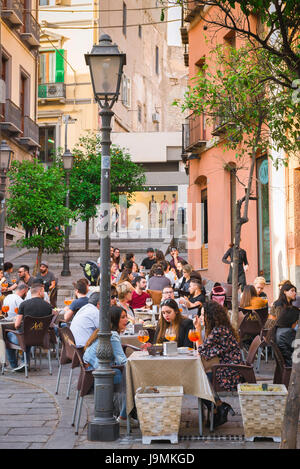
(38, 261)
(292, 408)
(87, 234)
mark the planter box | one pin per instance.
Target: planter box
(159, 412)
(262, 411)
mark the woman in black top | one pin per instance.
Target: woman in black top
(171, 317)
(284, 333)
(242, 267)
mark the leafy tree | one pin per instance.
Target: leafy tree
(126, 177)
(276, 30)
(258, 114)
(253, 117)
(37, 202)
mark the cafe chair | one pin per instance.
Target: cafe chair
(67, 355)
(250, 326)
(282, 372)
(156, 296)
(35, 335)
(246, 370)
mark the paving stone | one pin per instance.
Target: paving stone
(33, 431)
(23, 423)
(4, 430)
(24, 438)
(14, 445)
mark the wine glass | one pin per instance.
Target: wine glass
(194, 336)
(4, 285)
(149, 302)
(68, 301)
(5, 310)
(14, 280)
(170, 334)
(16, 310)
(143, 336)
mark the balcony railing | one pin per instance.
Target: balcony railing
(194, 133)
(12, 10)
(30, 135)
(31, 30)
(220, 125)
(12, 120)
(52, 92)
(193, 8)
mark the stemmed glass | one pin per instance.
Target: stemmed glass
(170, 334)
(5, 310)
(68, 301)
(149, 302)
(143, 337)
(194, 336)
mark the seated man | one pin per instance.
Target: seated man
(139, 296)
(36, 307)
(81, 291)
(14, 300)
(168, 293)
(197, 294)
(158, 281)
(285, 333)
(86, 320)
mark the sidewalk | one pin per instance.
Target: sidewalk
(33, 417)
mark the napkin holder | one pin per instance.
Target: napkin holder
(169, 348)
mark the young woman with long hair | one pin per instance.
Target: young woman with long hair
(251, 300)
(171, 317)
(221, 341)
(118, 324)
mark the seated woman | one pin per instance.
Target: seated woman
(118, 324)
(284, 303)
(250, 299)
(186, 277)
(222, 342)
(125, 290)
(284, 333)
(171, 317)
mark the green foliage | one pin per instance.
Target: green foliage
(239, 94)
(85, 181)
(36, 201)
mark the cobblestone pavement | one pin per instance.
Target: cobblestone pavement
(32, 416)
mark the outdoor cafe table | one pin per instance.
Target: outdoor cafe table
(184, 370)
(4, 324)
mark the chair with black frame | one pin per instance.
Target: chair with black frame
(282, 372)
(35, 334)
(86, 380)
(250, 326)
(67, 356)
(246, 370)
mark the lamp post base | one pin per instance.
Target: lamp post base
(103, 430)
(66, 271)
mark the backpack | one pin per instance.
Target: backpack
(218, 294)
(91, 272)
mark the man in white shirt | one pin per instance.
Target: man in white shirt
(85, 321)
(14, 300)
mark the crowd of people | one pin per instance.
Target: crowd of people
(184, 305)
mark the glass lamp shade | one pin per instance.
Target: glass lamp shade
(5, 156)
(67, 160)
(106, 64)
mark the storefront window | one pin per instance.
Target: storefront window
(263, 218)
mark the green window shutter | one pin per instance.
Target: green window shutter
(42, 91)
(60, 66)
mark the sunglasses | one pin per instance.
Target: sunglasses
(113, 297)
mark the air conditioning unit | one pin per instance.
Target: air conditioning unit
(155, 117)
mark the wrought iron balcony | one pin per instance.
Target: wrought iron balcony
(30, 135)
(11, 119)
(30, 31)
(12, 10)
(192, 10)
(193, 133)
(220, 125)
(52, 92)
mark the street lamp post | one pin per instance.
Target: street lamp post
(5, 159)
(68, 163)
(106, 66)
